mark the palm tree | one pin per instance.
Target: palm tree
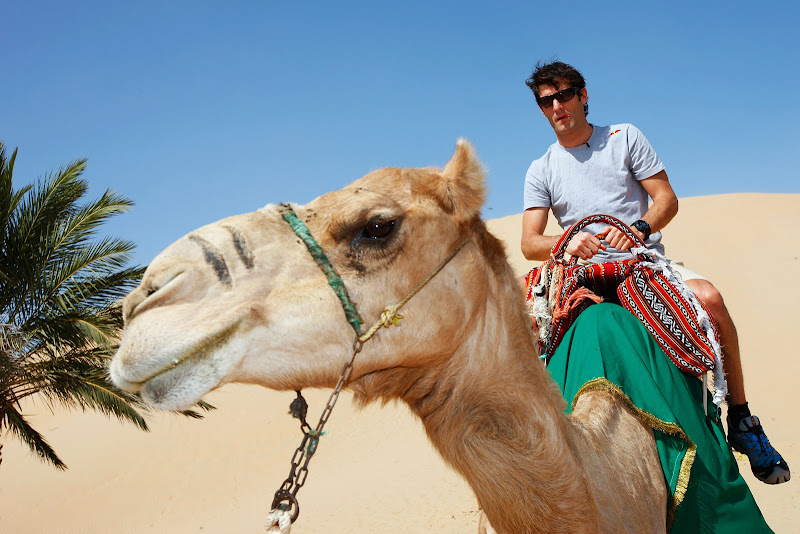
(60, 291)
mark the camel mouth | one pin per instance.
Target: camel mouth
(167, 390)
(187, 379)
(181, 383)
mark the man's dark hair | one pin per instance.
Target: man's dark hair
(549, 73)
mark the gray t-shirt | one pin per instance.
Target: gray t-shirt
(601, 176)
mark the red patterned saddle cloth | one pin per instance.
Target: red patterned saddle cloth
(559, 290)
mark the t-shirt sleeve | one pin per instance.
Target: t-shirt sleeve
(536, 194)
(644, 160)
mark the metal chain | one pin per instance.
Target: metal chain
(286, 496)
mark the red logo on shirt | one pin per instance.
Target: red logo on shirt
(615, 131)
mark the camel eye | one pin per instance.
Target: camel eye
(377, 230)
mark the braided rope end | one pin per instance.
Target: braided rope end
(279, 522)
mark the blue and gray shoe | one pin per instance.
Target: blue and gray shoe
(749, 439)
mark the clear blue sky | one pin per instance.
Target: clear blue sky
(202, 109)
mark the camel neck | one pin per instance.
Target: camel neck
(499, 420)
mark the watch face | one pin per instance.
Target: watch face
(643, 227)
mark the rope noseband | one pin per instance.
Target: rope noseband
(334, 280)
(285, 508)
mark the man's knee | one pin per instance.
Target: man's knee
(706, 292)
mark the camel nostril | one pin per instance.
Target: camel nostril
(144, 296)
(136, 298)
(132, 301)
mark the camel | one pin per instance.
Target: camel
(241, 300)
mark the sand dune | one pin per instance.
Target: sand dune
(375, 471)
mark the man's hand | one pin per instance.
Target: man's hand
(585, 245)
(616, 239)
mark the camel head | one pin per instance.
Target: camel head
(242, 300)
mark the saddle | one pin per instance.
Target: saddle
(646, 285)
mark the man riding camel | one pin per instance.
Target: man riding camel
(613, 170)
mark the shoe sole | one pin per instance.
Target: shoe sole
(778, 475)
(780, 478)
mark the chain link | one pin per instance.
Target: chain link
(286, 496)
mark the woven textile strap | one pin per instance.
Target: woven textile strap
(335, 281)
(560, 247)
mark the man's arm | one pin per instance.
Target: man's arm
(537, 246)
(665, 203)
(661, 212)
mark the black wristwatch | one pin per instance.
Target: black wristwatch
(643, 227)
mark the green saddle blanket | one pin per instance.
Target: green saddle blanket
(607, 348)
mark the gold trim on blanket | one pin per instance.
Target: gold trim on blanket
(655, 423)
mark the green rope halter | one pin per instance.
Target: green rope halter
(285, 497)
(335, 281)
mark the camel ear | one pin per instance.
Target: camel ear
(461, 190)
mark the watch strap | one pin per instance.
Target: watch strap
(643, 227)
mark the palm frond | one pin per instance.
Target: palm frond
(194, 414)
(78, 388)
(50, 200)
(11, 419)
(9, 199)
(60, 287)
(59, 248)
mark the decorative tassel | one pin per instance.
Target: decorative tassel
(658, 262)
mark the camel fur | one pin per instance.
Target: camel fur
(241, 300)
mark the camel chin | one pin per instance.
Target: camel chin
(180, 388)
(173, 381)
(176, 388)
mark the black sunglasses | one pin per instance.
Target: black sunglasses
(565, 95)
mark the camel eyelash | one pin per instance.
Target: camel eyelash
(378, 232)
(376, 248)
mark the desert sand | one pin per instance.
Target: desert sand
(375, 471)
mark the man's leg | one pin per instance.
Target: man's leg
(729, 339)
(745, 433)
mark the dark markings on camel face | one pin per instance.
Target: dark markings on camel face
(241, 247)
(214, 258)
